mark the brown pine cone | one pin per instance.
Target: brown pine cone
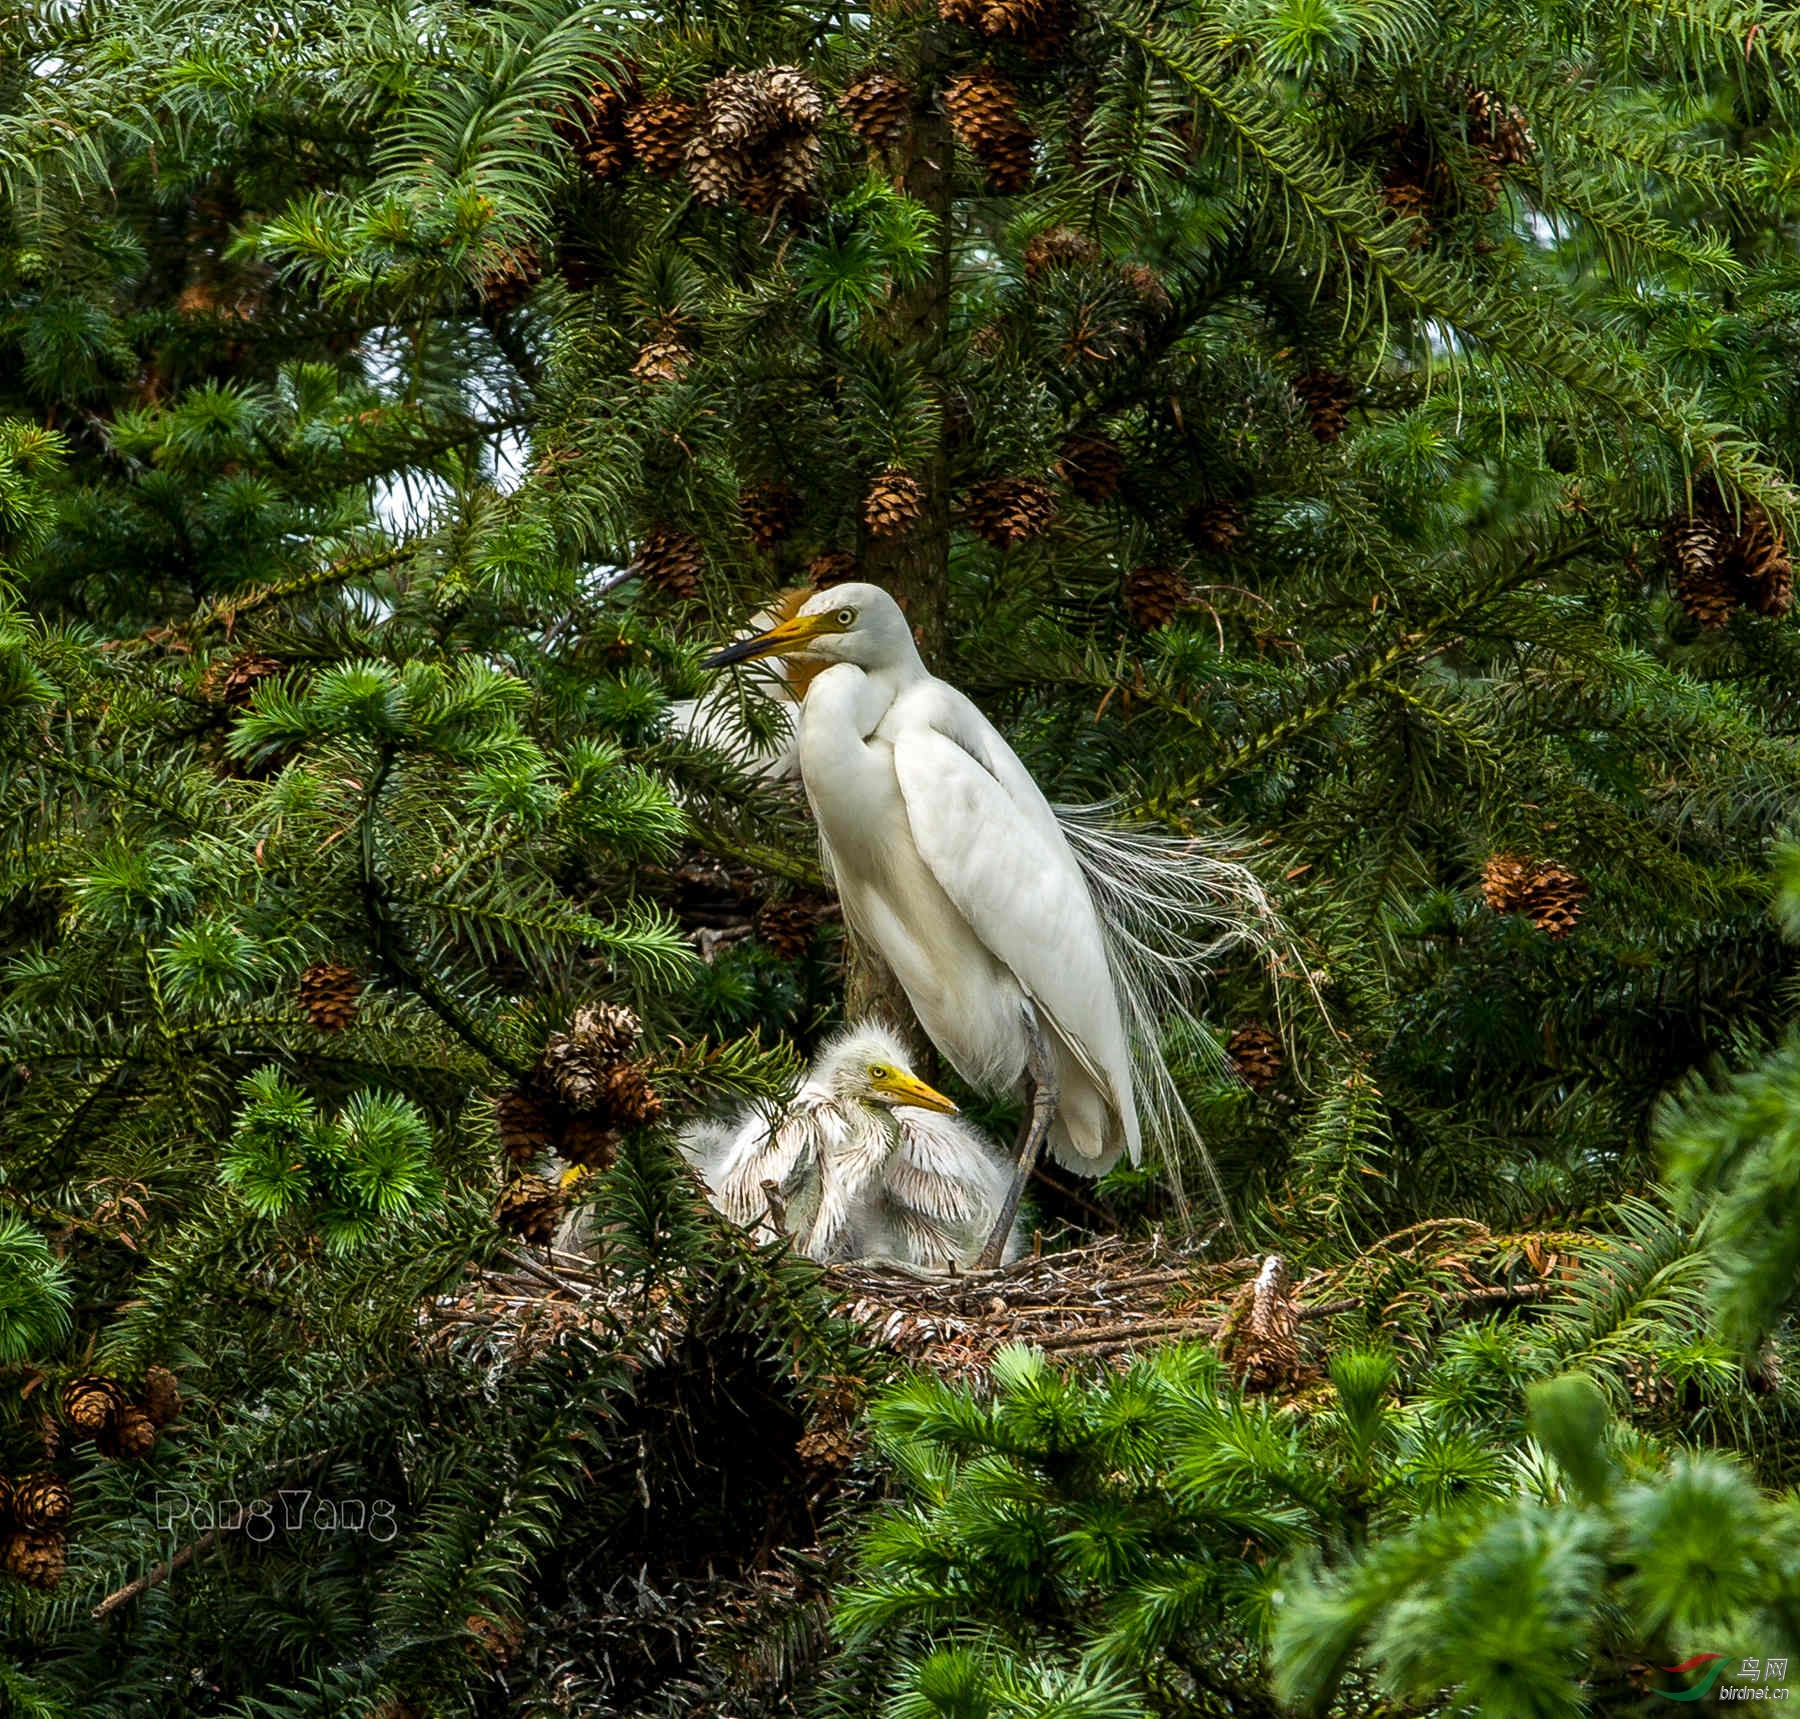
(1255, 1053)
(832, 567)
(1262, 1338)
(1012, 164)
(1328, 398)
(1404, 193)
(1039, 26)
(659, 129)
(1059, 248)
(588, 1141)
(1147, 284)
(795, 101)
(1697, 545)
(530, 1207)
(664, 356)
(629, 1099)
(983, 108)
(162, 1395)
(1007, 511)
(329, 995)
(1154, 595)
(91, 1403)
(827, 1446)
(1498, 131)
(498, 1638)
(575, 1063)
(1091, 466)
(597, 133)
(234, 681)
(671, 560)
(1214, 525)
(42, 1503)
(1504, 880)
(1554, 899)
(37, 1560)
(770, 511)
(1760, 565)
(964, 12)
(787, 926)
(527, 1130)
(714, 172)
(508, 281)
(1547, 892)
(894, 504)
(879, 107)
(131, 1436)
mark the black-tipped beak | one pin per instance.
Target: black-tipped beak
(792, 635)
(741, 652)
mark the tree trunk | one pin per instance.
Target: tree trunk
(915, 567)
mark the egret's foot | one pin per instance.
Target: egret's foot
(1042, 1097)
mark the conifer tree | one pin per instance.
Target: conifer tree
(1364, 432)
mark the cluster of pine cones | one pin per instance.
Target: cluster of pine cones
(586, 1088)
(1548, 893)
(1417, 183)
(752, 139)
(35, 1511)
(1718, 565)
(756, 139)
(121, 1426)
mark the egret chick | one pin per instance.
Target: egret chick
(864, 1160)
(1036, 951)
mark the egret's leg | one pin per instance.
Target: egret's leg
(1041, 1097)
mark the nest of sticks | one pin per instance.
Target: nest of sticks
(1103, 1302)
(1108, 1300)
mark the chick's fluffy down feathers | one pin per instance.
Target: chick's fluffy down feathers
(852, 1177)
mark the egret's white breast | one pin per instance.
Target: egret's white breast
(967, 1002)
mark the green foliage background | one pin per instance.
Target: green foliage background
(266, 396)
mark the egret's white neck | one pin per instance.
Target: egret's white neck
(847, 696)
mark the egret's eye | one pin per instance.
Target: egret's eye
(846, 617)
(880, 1073)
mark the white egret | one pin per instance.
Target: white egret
(864, 1160)
(1038, 951)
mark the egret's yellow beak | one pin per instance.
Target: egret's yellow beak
(907, 1089)
(782, 641)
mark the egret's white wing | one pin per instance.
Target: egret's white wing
(715, 720)
(995, 850)
(942, 1191)
(781, 1148)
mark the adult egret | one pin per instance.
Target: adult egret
(1038, 952)
(865, 1159)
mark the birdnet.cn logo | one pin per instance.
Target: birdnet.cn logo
(1753, 1680)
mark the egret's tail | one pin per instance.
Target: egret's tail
(1172, 907)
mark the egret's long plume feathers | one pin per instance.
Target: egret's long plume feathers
(1172, 908)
